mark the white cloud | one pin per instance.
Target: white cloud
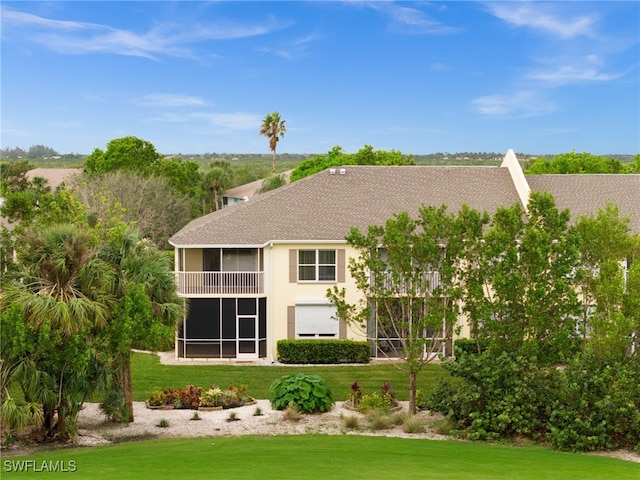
(569, 74)
(588, 68)
(169, 100)
(540, 16)
(71, 37)
(410, 20)
(523, 103)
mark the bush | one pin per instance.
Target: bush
(599, 406)
(463, 346)
(323, 351)
(307, 392)
(497, 396)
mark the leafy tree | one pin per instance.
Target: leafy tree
(520, 286)
(573, 162)
(634, 166)
(150, 202)
(185, 179)
(217, 179)
(274, 128)
(126, 153)
(337, 157)
(406, 271)
(607, 285)
(272, 182)
(13, 176)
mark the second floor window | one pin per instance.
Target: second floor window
(317, 265)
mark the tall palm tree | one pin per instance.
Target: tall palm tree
(273, 128)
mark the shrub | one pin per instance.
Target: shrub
(598, 406)
(463, 346)
(308, 392)
(323, 351)
(497, 396)
(374, 401)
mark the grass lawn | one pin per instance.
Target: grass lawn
(148, 374)
(321, 456)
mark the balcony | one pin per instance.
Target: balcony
(220, 283)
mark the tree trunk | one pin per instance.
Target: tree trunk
(127, 389)
(412, 392)
(273, 162)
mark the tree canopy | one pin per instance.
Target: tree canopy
(337, 157)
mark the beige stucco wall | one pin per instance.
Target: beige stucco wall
(282, 294)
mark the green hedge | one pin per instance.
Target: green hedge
(323, 351)
(463, 346)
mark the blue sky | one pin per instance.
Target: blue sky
(419, 77)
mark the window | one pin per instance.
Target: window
(317, 265)
(316, 321)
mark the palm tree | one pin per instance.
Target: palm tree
(146, 311)
(54, 301)
(274, 129)
(215, 182)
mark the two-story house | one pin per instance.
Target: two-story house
(258, 272)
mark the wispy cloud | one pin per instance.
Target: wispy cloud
(174, 39)
(292, 49)
(542, 16)
(169, 100)
(229, 121)
(524, 103)
(588, 68)
(410, 20)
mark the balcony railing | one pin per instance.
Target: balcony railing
(220, 283)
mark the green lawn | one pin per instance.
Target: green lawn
(148, 374)
(320, 457)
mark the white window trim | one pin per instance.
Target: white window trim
(317, 265)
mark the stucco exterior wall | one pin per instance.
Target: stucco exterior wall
(282, 294)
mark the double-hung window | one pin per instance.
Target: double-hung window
(317, 265)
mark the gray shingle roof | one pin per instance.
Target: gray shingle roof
(586, 193)
(325, 206)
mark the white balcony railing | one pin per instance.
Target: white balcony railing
(220, 283)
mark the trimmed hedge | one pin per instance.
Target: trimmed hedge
(323, 351)
(463, 346)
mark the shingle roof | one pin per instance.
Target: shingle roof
(324, 206)
(586, 193)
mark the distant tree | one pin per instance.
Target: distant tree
(216, 180)
(273, 128)
(126, 153)
(337, 157)
(573, 162)
(272, 182)
(633, 166)
(41, 151)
